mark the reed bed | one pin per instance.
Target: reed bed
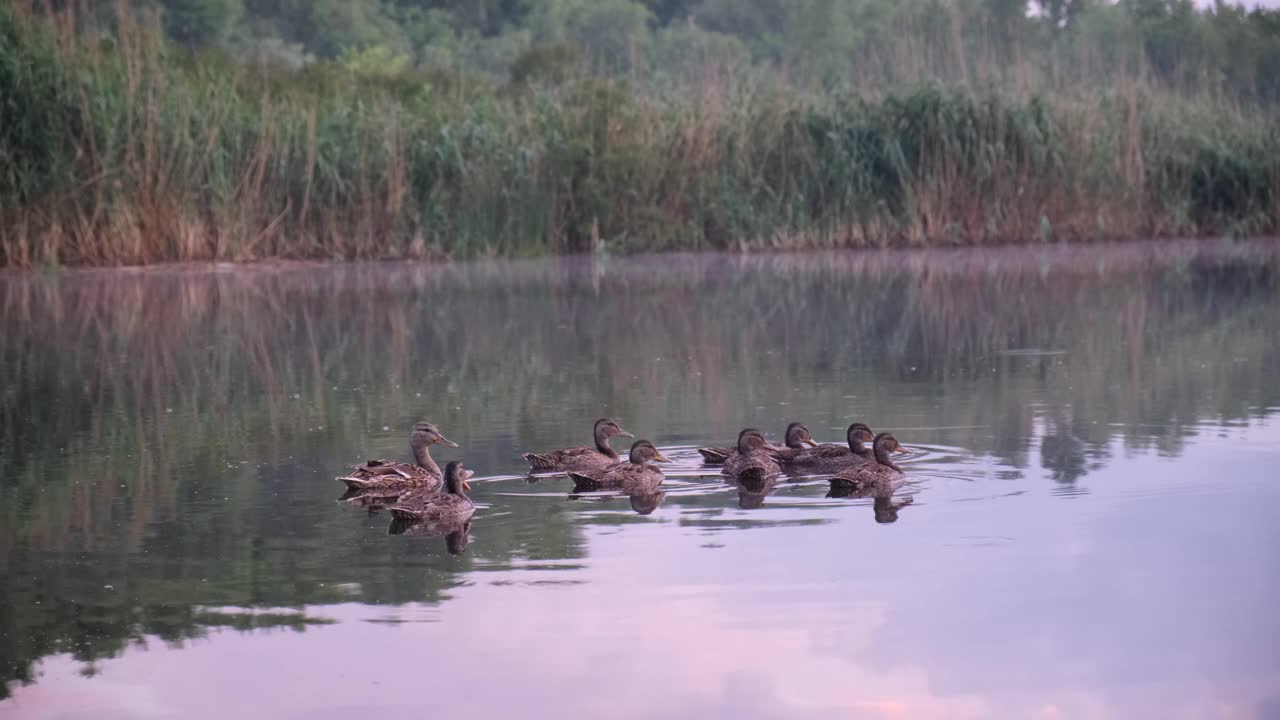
(122, 149)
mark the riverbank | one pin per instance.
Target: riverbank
(131, 152)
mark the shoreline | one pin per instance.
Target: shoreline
(1055, 253)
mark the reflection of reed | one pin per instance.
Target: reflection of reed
(126, 361)
(129, 400)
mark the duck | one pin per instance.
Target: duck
(879, 476)
(423, 474)
(753, 463)
(634, 477)
(581, 459)
(452, 507)
(830, 457)
(797, 436)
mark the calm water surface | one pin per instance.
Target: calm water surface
(1091, 528)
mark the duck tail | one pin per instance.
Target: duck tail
(354, 483)
(540, 462)
(713, 456)
(583, 483)
(403, 513)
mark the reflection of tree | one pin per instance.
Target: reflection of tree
(181, 428)
(1063, 454)
(91, 632)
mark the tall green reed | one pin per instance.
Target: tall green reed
(121, 148)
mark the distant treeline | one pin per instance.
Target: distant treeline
(819, 43)
(205, 129)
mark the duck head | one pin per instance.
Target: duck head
(455, 478)
(606, 429)
(886, 443)
(857, 434)
(643, 451)
(750, 440)
(798, 436)
(426, 434)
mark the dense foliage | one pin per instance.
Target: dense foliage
(824, 41)
(228, 129)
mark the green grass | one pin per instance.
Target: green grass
(123, 149)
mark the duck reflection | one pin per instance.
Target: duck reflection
(753, 489)
(643, 503)
(885, 507)
(647, 503)
(457, 536)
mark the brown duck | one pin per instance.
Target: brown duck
(581, 458)
(829, 457)
(797, 436)
(423, 474)
(634, 477)
(753, 463)
(452, 507)
(881, 475)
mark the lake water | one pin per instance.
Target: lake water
(1091, 527)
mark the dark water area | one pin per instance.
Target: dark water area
(1090, 527)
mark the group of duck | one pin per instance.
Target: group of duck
(753, 461)
(422, 497)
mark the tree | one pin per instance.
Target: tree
(198, 23)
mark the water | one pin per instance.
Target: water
(1090, 529)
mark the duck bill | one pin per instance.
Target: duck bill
(466, 486)
(660, 458)
(446, 441)
(902, 450)
(811, 442)
(624, 433)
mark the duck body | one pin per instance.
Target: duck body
(447, 508)
(570, 459)
(391, 477)
(581, 459)
(829, 457)
(633, 477)
(441, 508)
(395, 476)
(866, 481)
(797, 437)
(718, 456)
(879, 477)
(752, 464)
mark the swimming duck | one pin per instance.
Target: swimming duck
(752, 463)
(581, 458)
(797, 436)
(830, 457)
(634, 477)
(447, 508)
(395, 475)
(882, 475)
